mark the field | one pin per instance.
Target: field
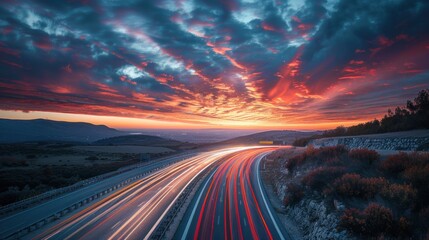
(28, 169)
(124, 149)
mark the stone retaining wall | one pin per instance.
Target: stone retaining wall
(406, 144)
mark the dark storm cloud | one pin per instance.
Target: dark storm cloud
(357, 25)
(226, 60)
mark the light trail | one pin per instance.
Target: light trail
(231, 203)
(134, 211)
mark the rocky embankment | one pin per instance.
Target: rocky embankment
(405, 141)
(313, 218)
(308, 219)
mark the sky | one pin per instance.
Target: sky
(211, 64)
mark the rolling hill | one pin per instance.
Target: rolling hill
(12, 131)
(285, 136)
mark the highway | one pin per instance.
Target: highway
(10, 224)
(229, 204)
(128, 213)
(232, 204)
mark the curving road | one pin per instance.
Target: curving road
(135, 211)
(229, 204)
(232, 204)
(22, 219)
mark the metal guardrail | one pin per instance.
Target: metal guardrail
(56, 216)
(28, 202)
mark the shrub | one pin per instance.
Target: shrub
(322, 155)
(399, 163)
(302, 142)
(294, 194)
(352, 220)
(331, 152)
(310, 150)
(322, 176)
(364, 155)
(278, 154)
(374, 221)
(396, 164)
(293, 162)
(378, 219)
(352, 185)
(418, 176)
(403, 227)
(401, 194)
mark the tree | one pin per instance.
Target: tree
(415, 115)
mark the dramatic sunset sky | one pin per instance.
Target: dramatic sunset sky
(211, 64)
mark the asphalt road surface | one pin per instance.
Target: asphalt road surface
(232, 204)
(135, 211)
(10, 224)
(128, 213)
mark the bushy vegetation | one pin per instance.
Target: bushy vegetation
(329, 155)
(382, 197)
(295, 194)
(317, 178)
(414, 115)
(365, 156)
(374, 221)
(353, 185)
(402, 195)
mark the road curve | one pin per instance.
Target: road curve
(27, 217)
(232, 204)
(133, 212)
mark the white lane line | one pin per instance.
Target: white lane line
(114, 226)
(263, 197)
(188, 225)
(141, 203)
(218, 220)
(244, 220)
(171, 204)
(240, 202)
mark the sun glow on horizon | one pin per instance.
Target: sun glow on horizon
(138, 123)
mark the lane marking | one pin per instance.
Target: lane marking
(258, 162)
(188, 225)
(218, 220)
(244, 220)
(114, 226)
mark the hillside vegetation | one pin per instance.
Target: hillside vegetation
(284, 136)
(415, 115)
(371, 197)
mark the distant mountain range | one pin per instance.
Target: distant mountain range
(12, 131)
(47, 130)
